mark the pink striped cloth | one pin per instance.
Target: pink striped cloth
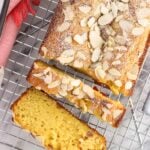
(17, 11)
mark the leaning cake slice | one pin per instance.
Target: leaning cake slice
(58, 83)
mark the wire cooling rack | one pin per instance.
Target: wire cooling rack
(134, 131)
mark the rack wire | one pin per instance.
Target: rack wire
(134, 131)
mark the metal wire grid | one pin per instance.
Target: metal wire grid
(133, 133)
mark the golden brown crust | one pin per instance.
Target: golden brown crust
(18, 122)
(55, 46)
(98, 105)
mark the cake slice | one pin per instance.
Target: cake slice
(53, 125)
(102, 38)
(57, 83)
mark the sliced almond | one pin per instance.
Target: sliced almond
(106, 112)
(47, 70)
(69, 87)
(65, 80)
(104, 9)
(94, 65)
(119, 55)
(81, 55)
(64, 87)
(62, 92)
(97, 11)
(35, 66)
(142, 13)
(63, 27)
(38, 75)
(105, 19)
(99, 72)
(108, 55)
(117, 62)
(80, 39)
(64, 1)
(81, 95)
(68, 39)
(106, 49)
(122, 6)
(121, 40)
(38, 87)
(131, 76)
(54, 84)
(95, 54)
(125, 1)
(91, 21)
(83, 22)
(109, 77)
(66, 57)
(95, 28)
(117, 113)
(133, 73)
(75, 82)
(85, 8)
(44, 50)
(95, 39)
(126, 25)
(76, 91)
(89, 91)
(144, 22)
(105, 65)
(78, 64)
(114, 9)
(118, 83)
(128, 85)
(137, 31)
(114, 72)
(108, 105)
(69, 13)
(48, 79)
(118, 18)
(121, 48)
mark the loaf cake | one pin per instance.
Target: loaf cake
(57, 129)
(57, 83)
(102, 38)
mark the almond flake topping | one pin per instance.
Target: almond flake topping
(89, 91)
(117, 113)
(137, 31)
(99, 72)
(54, 84)
(105, 19)
(128, 85)
(95, 39)
(67, 56)
(85, 8)
(80, 39)
(63, 27)
(118, 83)
(95, 54)
(75, 82)
(91, 21)
(114, 72)
(83, 22)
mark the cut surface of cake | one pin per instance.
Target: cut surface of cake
(56, 82)
(102, 38)
(53, 125)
